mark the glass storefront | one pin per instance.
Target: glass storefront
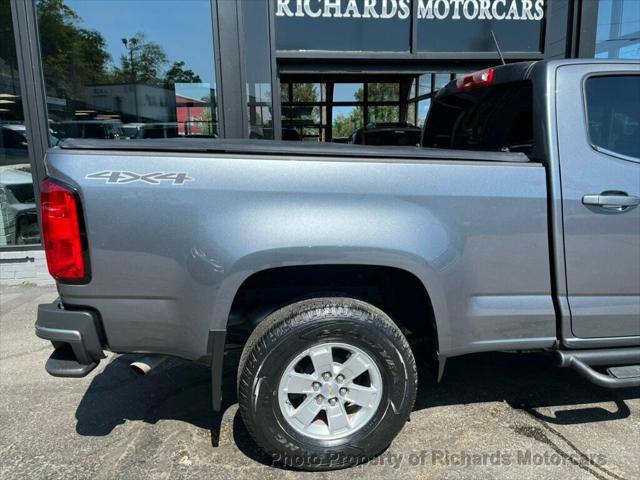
(18, 218)
(310, 70)
(118, 69)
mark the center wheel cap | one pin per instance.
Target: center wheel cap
(329, 389)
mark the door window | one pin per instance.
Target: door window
(613, 113)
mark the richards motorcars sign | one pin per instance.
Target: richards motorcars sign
(385, 25)
(427, 9)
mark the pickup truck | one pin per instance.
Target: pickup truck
(514, 226)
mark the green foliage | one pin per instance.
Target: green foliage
(7, 43)
(345, 125)
(72, 57)
(178, 74)
(143, 63)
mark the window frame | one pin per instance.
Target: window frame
(585, 107)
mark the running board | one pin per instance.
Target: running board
(583, 361)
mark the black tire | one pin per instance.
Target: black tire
(287, 332)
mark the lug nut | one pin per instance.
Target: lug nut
(340, 378)
(316, 386)
(332, 401)
(343, 391)
(319, 399)
(326, 375)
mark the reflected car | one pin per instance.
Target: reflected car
(398, 134)
(18, 217)
(108, 129)
(13, 144)
(150, 130)
(261, 133)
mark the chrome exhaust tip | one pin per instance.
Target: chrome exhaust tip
(144, 365)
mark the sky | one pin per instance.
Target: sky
(182, 27)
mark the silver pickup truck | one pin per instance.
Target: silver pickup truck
(514, 226)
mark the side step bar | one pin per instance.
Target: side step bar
(582, 362)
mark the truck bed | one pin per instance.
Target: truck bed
(167, 257)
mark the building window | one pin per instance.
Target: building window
(618, 29)
(423, 88)
(128, 69)
(18, 217)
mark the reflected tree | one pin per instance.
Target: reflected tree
(72, 57)
(345, 125)
(178, 74)
(144, 62)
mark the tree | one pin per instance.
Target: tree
(143, 63)
(345, 125)
(178, 74)
(72, 57)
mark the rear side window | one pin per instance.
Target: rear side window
(613, 113)
(498, 118)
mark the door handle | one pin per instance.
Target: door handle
(612, 201)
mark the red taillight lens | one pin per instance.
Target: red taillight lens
(483, 78)
(61, 232)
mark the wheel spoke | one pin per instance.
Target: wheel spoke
(322, 359)
(307, 411)
(355, 366)
(337, 417)
(363, 396)
(299, 383)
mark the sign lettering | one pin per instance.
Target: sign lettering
(532, 10)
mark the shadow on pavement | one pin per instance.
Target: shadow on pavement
(180, 390)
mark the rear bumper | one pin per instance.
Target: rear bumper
(75, 338)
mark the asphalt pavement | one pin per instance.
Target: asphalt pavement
(498, 415)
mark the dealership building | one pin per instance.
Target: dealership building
(311, 70)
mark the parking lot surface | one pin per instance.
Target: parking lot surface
(496, 415)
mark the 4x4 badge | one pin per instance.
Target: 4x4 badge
(155, 178)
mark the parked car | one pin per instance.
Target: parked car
(13, 144)
(110, 129)
(514, 227)
(387, 134)
(18, 214)
(150, 130)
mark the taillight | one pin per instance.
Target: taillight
(63, 233)
(483, 78)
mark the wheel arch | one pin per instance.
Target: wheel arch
(411, 270)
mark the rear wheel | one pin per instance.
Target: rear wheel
(326, 383)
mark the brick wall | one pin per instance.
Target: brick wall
(29, 266)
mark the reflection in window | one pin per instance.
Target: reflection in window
(308, 92)
(148, 73)
(339, 109)
(303, 111)
(18, 217)
(614, 119)
(383, 92)
(384, 114)
(424, 84)
(422, 92)
(423, 109)
(346, 120)
(348, 92)
(618, 29)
